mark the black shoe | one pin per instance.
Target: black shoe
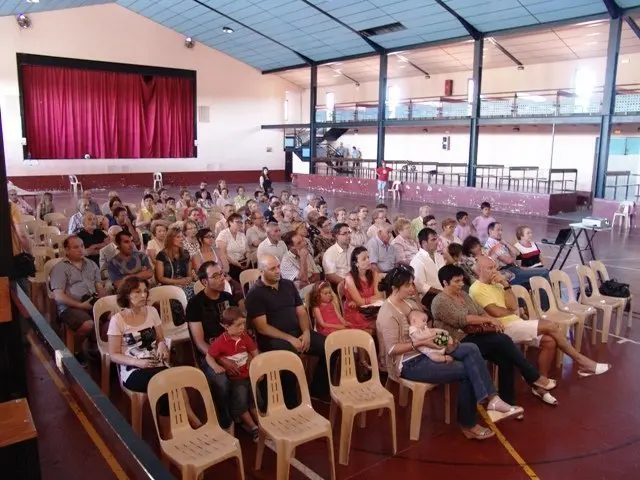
(81, 359)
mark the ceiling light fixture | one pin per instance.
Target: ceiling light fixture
(227, 30)
(520, 67)
(625, 60)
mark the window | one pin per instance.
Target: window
(584, 84)
(393, 98)
(286, 110)
(470, 90)
(330, 102)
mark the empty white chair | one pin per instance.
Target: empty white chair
(396, 189)
(74, 185)
(625, 212)
(157, 181)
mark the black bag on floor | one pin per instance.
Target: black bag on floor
(613, 288)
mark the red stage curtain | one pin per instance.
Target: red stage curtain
(71, 112)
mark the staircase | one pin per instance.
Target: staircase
(334, 134)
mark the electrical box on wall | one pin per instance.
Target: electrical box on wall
(446, 143)
(448, 88)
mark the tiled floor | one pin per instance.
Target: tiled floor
(594, 433)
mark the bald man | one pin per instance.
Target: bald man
(281, 322)
(493, 292)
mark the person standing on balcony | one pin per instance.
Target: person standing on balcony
(383, 179)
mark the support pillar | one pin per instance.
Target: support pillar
(313, 103)
(608, 107)
(474, 126)
(382, 106)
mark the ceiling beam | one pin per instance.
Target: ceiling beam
(339, 72)
(633, 25)
(376, 47)
(505, 52)
(613, 8)
(475, 34)
(304, 58)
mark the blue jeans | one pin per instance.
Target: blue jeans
(522, 277)
(470, 370)
(221, 391)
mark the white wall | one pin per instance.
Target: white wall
(573, 147)
(240, 98)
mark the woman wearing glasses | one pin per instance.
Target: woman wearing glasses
(405, 360)
(208, 251)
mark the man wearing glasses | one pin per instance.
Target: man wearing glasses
(335, 261)
(204, 312)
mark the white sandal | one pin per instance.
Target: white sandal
(600, 369)
(497, 416)
(546, 397)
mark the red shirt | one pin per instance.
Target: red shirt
(237, 350)
(383, 173)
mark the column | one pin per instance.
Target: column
(313, 102)
(382, 106)
(608, 106)
(474, 127)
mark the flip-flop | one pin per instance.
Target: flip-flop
(600, 369)
(546, 397)
(551, 384)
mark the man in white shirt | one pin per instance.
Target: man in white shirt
(273, 244)
(297, 264)
(335, 261)
(426, 264)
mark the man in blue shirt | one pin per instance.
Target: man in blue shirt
(128, 262)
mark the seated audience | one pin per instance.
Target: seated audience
(45, 205)
(430, 222)
(297, 264)
(76, 285)
(323, 208)
(281, 322)
(240, 200)
(145, 217)
(204, 316)
(114, 203)
(137, 344)
(301, 229)
(232, 245)
(464, 228)
(482, 221)
(172, 263)
(358, 236)
(288, 214)
(93, 206)
(190, 243)
(361, 288)
(109, 251)
(256, 233)
(379, 218)
(312, 224)
(493, 293)
(405, 245)
(75, 222)
(158, 234)
(312, 205)
(207, 251)
(223, 199)
(128, 262)
(457, 313)
(92, 238)
(417, 223)
(323, 309)
(217, 192)
(105, 209)
(363, 214)
(456, 257)
(426, 265)
(476, 385)
(340, 215)
(274, 214)
(203, 193)
(163, 197)
(382, 255)
(123, 220)
(505, 256)
(222, 223)
(183, 202)
(447, 237)
(273, 244)
(336, 261)
(195, 214)
(530, 255)
(170, 210)
(324, 239)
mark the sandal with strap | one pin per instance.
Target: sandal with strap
(545, 396)
(481, 434)
(497, 416)
(551, 384)
(600, 369)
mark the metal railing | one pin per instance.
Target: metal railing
(533, 103)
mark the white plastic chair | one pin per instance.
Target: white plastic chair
(43, 235)
(606, 304)
(396, 189)
(162, 296)
(625, 212)
(600, 270)
(157, 181)
(104, 305)
(74, 185)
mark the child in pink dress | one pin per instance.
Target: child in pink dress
(323, 309)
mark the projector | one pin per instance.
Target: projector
(595, 222)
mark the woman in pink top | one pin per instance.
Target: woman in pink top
(360, 289)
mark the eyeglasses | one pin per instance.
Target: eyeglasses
(348, 232)
(216, 276)
(209, 235)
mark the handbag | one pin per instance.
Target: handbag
(480, 328)
(23, 264)
(370, 311)
(613, 288)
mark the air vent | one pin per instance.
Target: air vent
(203, 114)
(382, 29)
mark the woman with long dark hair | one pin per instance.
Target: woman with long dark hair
(361, 288)
(265, 181)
